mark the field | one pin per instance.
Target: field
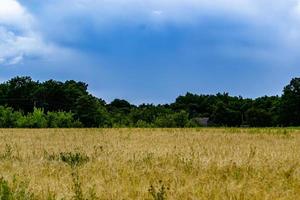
(150, 163)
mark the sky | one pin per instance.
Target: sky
(151, 51)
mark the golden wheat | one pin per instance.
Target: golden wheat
(191, 163)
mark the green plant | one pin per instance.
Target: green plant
(18, 190)
(77, 186)
(74, 159)
(160, 193)
(8, 117)
(5, 191)
(61, 120)
(36, 119)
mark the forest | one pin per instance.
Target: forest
(26, 103)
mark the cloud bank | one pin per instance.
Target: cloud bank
(130, 48)
(68, 21)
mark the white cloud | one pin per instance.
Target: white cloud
(157, 12)
(18, 38)
(12, 13)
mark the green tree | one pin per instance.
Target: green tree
(8, 117)
(91, 112)
(224, 116)
(181, 119)
(257, 117)
(20, 93)
(290, 104)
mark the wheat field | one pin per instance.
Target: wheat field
(149, 164)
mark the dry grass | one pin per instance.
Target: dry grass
(124, 163)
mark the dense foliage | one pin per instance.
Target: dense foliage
(28, 103)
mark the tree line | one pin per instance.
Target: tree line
(33, 104)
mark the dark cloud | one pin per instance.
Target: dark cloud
(154, 52)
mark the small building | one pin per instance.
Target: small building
(202, 121)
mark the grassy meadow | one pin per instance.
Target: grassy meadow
(150, 163)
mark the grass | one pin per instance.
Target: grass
(150, 164)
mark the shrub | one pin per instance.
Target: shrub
(61, 120)
(74, 159)
(142, 124)
(77, 186)
(181, 118)
(8, 117)
(165, 121)
(37, 119)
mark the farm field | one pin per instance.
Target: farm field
(204, 163)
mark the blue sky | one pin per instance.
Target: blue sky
(153, 50)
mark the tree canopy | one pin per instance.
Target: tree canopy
(28, 103)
